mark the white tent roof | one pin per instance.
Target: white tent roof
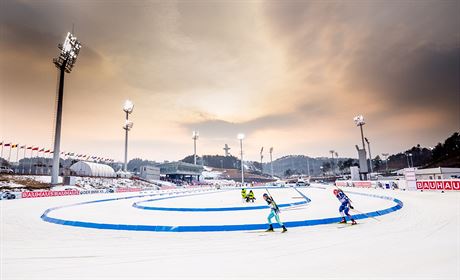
(84, 168)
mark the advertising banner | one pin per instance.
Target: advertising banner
(362, 184)
(128, 190)
(439, 185)
(49, 193)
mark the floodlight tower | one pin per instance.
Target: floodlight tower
(332, 156)
(64, 62)
(261, 160)
(241, 137)
(370, 155)
(337, 162)
(359, 120)
(195, 136)
(271, 161)
(128, 107)
(386, 160)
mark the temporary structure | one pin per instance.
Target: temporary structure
(84, 168)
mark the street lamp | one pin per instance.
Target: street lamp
(411, 161)
(240, 137)
(195, 136)
(407, 159)
(271, 161)
(359, 121)
(386, 160)
(370, 155)
(128, 107)
(337, 162)
(332, 156)
(64, 62)
(261, 160)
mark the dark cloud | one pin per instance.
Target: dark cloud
(426, 77)
(402, 55)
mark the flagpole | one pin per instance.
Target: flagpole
(23, 166)
(30, 160)
(9, 155)
(17, 153)
(36, 162)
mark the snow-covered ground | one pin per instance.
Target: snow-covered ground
(419, 241)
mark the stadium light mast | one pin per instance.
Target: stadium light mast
(386, 160)
(271, 161)
(359, 121)
(241, 137)
(370, 155)
(261, 160)
(64, 62)
(128, 107)
(195, 136)
(337, 162)
(332, 156)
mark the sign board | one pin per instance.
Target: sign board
(409, 175)
(439, 185)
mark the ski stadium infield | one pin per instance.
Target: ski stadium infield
(215, 235)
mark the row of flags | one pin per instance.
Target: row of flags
(45, 151)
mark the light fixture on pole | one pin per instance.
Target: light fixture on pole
(195, 136)
(64, 62)
(332, 156)
(407, 159)
(386, 160)
(128, 107)
(271, 161)
(261, 160)
(370, 155)
(337, 162)
(411, 161)
(359, 121)
(241, 137)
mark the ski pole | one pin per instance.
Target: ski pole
(366, 215)
(273, 200)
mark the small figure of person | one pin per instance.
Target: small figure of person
(274, 212)
(250, 197)
(243, 194)
(345, 206)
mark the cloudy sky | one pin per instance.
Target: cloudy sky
(288, 74)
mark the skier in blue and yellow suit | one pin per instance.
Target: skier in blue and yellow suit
(274, 212)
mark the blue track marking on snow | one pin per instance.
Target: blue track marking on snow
(214, 209)
(210, 228)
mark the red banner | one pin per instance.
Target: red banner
(49, 193)
(341, 183)
(129, 189)
(441, 185)
(362, 184)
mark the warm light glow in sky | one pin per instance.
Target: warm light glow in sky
(287, 74)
